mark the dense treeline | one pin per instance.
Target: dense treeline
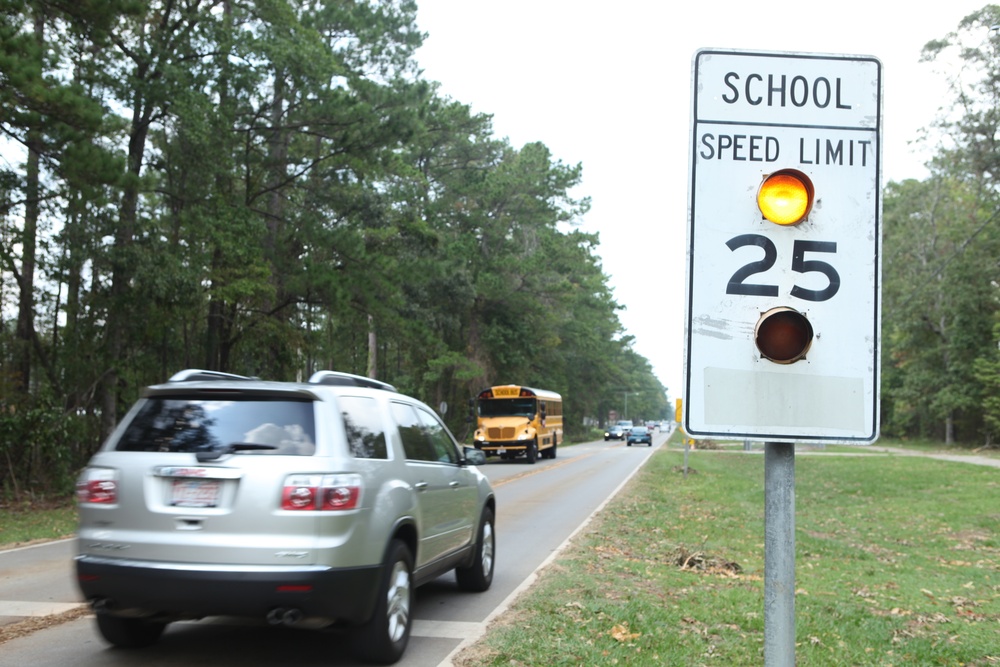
(941, 265)
(270, 187)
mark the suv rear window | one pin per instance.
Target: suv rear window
(257, 426)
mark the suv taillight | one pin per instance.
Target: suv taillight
(97, 486)
(321, 492)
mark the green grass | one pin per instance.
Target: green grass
(897, 563)
(912, 446)
(919, 446)
(23, 522)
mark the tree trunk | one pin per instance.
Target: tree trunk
(277, 158)
(216, 307)
(24, 334)
(371, 369)
(118, 310)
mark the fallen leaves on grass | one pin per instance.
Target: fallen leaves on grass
(621, 633)
(30, 625)
(700, 561)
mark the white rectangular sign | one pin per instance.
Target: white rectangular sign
(817, 116)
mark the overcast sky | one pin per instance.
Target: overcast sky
(608, 85)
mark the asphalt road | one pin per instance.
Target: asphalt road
(539, 507)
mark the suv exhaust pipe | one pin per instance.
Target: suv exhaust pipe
(282, 616)
(101, 604)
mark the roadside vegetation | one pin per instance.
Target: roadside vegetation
(153, 221)
(271, 189)
(24, 522)
(897, 563)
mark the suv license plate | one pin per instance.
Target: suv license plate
(194, 493)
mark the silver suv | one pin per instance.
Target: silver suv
(320, 504)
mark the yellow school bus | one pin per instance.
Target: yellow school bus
(514, 421)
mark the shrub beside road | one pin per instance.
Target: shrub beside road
(897, 563)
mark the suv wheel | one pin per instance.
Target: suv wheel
(383, 638)
(479, 575)
(129, 632)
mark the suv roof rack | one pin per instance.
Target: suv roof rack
(198, 374)
(348, 380)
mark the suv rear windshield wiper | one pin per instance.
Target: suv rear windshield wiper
(231, 448)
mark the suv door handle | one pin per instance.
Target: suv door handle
(421, 486)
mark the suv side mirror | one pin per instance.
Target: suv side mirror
(473, 456)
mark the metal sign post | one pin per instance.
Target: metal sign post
(779, 554)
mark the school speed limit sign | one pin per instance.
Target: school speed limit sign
(784, 246)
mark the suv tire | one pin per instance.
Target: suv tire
(478, 576)
(384, 637)
(129, 632)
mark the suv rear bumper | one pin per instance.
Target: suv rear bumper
(141, 588)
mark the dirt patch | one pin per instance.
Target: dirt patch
(702, 562)
(969, 540)
(30, 625)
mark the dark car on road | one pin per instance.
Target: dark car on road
(638, 435)
(614, 433)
